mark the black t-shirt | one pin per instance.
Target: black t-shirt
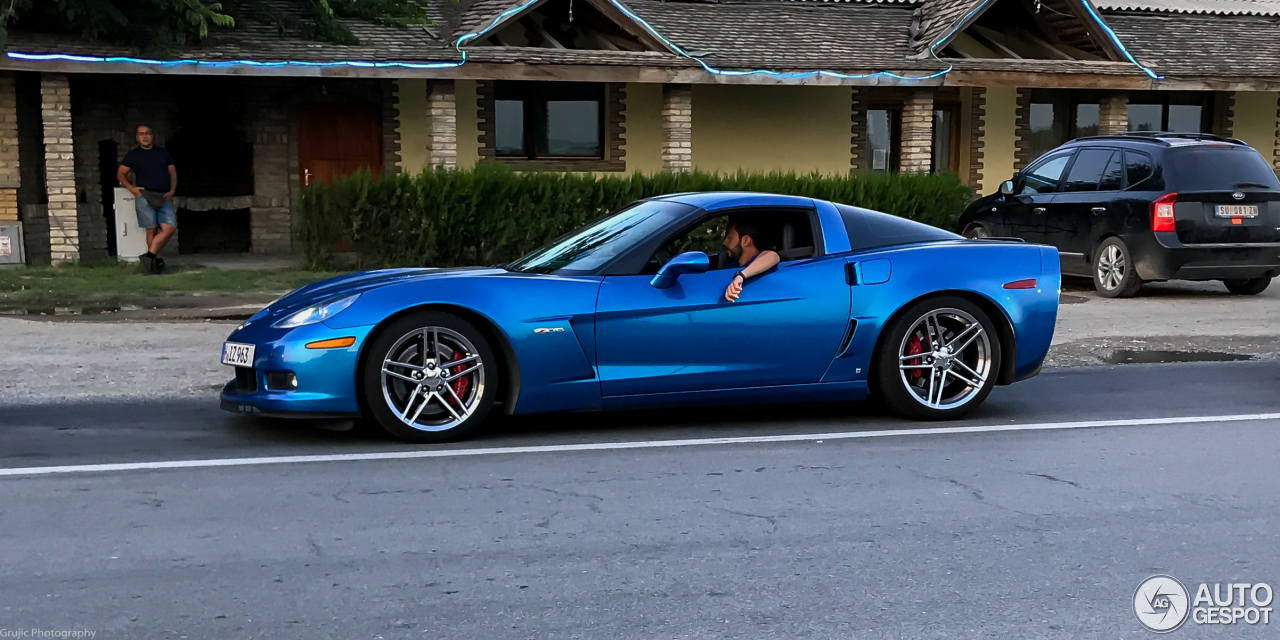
(150, 168)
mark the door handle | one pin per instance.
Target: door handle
(1097, 211)
(1037, 210)
(306, 177)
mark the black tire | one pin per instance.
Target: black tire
(898, 380)
(460, 407)
(1114, 275)
(977, 232)
(1250, 287)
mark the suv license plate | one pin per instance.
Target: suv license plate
(237, 355)
(1237, 210)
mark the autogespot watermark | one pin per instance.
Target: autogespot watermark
(1163, 603)
(40, 634)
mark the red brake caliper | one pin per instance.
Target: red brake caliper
(461, 384)
(915, 348)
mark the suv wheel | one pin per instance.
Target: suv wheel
(1113, 272)
(977, 232)
(1250, 287)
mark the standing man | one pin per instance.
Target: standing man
(155, 180)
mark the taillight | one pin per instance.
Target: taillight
(1162, 212)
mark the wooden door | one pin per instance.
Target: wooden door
(336, 140)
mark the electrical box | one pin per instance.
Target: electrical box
(11, 249)
(131, 240)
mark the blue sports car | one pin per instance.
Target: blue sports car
(632, 311)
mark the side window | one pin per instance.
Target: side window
(1043, 177)
(1087, 171)
(1113, 175)
(1138, 167)
(707, 237)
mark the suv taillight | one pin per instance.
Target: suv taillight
(1162, 212)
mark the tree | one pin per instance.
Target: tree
(158, 25)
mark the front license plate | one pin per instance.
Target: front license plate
(237, 355)
(1237, 210)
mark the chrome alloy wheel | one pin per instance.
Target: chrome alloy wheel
(1111, 267)
(945, 359)
(433, 379)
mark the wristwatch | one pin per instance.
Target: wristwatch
(740, 273)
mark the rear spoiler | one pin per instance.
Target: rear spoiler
(997, 239)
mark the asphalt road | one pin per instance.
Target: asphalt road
(1028, 533)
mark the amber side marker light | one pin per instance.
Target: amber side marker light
(333, 343)
(1029, 283)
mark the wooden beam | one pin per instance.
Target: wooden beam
(1032, 40)
(628, 25)
(988, 37)
(1036, 80)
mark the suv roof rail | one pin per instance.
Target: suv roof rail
(1163, 137)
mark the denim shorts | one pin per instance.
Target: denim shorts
(150, 217)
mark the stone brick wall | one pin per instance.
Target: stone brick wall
(1113, 114)
(858, 132)
(390, 120)
(442, 109)
(977, 127)
(270, 216)
(1022, 131)
(10, 179)
(916, 153)
(677, 127)
(60, 171)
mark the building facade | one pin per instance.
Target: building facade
(253, 114)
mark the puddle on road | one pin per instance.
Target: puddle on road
(1129, 356)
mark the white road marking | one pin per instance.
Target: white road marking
(615, 446)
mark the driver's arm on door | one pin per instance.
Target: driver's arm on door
(763, 262)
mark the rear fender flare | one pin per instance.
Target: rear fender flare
(1004, 330)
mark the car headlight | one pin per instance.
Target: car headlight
(316, 313)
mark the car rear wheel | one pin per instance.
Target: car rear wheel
(430, 377)
(1250, 287)
(1113, 272)
(939, 360)
(977, 232)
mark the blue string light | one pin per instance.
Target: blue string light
(47, 57)
(1097, 19)
(644, 24)
(495, 22)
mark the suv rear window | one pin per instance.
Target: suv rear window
(1219, 168)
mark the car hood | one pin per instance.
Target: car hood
(352, 283)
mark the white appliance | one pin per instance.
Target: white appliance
(131, 240)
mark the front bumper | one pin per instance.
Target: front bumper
(1160, 256)
(326, 378)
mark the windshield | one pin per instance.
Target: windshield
(589, 248)
(1222, 168)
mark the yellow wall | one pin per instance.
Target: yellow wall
(468, 123)
(763, 128)
(1255, 120)
(998, 142)
(643, 136)
(413, 124)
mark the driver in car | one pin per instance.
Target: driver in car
(742, 244)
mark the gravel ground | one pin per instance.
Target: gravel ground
(78, 358)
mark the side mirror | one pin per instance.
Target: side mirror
(688, 262)
(1006, 188)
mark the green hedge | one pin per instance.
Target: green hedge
(491, 214)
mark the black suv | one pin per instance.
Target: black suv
(1133, 208)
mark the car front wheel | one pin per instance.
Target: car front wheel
(1113, 272)
(939, 360)
(430, 377)
(1250, 287)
